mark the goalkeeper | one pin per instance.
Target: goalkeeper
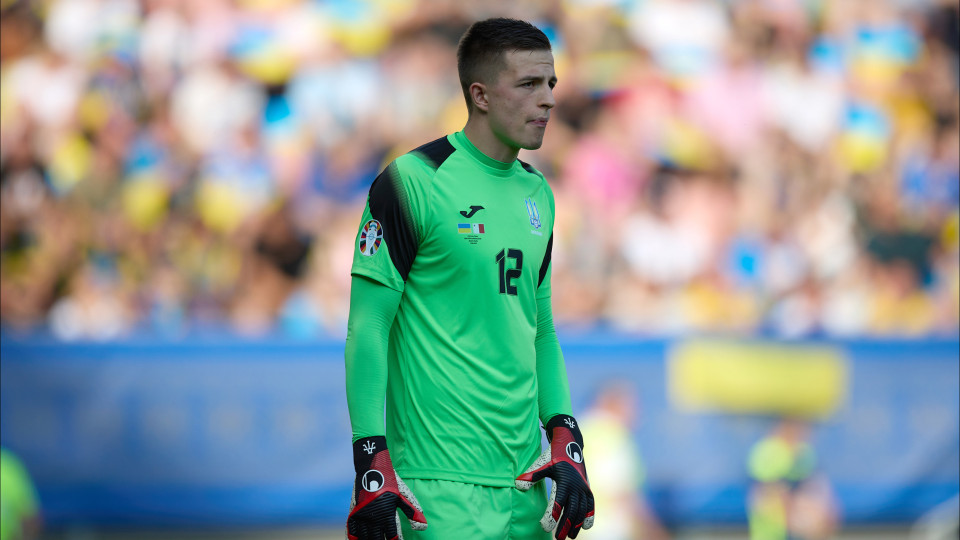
(450, 326)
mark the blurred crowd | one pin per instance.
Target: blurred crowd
(777, 167)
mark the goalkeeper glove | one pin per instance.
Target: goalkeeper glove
(377, 493)
(571, 501)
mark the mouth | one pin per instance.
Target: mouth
(540, 122)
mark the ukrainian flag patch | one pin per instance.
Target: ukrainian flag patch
(470, 228)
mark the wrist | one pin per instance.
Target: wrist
(364, 451)
(564, 422)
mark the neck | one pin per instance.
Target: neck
(479, 132)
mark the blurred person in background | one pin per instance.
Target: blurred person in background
(19, 507)
(450, 322)
(789, 499)
(617, 472)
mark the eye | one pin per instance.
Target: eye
(527, 84)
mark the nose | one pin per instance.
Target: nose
(547, 101)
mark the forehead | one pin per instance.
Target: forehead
(528, 63)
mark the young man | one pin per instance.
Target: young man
(450, 322)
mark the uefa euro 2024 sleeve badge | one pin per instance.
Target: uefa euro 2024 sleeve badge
(370, 237)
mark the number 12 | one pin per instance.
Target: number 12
(507, 276)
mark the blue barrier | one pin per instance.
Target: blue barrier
(227, 432)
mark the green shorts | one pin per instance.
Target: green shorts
(474, 512)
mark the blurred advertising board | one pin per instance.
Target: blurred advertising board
(221, 431)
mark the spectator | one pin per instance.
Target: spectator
(623, 512)
(788, 499)
(783, 167)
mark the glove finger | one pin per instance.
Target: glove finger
(536, 475)
(357, 530)
(391, 528)
(417, 520)
(399, 527)
(535, 472)
(579, 513)
(561, 505)
(410, 507)
(588, 519)
(549, 519)
(566, 522)
(563, 495)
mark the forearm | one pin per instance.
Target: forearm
(373, 307)
(571, 503)
(554, 390)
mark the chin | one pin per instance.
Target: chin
(532, 145)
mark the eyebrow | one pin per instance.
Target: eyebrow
(536, 78)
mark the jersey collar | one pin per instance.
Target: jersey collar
(500, 168)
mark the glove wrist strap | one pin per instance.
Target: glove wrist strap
(364, 451)
(564, 421)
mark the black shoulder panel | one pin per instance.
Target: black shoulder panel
(435, 152)
(527, 167)
(546, 261)
(389, 205)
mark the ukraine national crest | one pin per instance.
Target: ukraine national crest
(370, 237)
(533, 213)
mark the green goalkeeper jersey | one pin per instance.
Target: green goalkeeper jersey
(467, 239)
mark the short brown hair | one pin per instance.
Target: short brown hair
(481, 49)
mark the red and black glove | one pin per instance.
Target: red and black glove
(377, 494)
(571, 501)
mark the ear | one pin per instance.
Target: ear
(478, 94)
